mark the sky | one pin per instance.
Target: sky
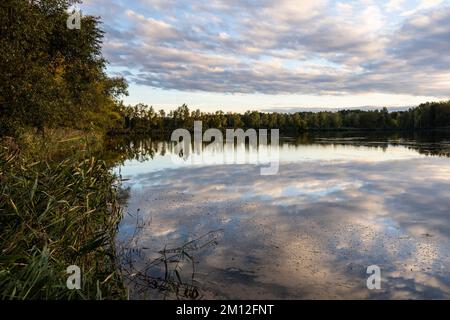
(237, 55)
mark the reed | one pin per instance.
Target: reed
(53, 214)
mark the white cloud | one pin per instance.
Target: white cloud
(282, 47)
(423, 5)
(395, 5)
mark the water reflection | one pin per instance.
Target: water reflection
(337, 206)
(143, 148)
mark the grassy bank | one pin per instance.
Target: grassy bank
(55, 211)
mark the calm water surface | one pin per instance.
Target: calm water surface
(338, 205)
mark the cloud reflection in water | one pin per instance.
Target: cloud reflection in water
(308, 232)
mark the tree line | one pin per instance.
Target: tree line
(142, 118)
(50, 75)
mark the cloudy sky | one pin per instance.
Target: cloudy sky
(268, 54)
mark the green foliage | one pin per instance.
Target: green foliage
(143, 119)
(50, 75)
(53, 215)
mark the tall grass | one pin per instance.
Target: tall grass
(53, 214)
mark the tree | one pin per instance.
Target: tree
(50, 75)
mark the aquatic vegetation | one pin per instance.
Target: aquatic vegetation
(53, 215)
(166, 273)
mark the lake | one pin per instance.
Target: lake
(341, 202)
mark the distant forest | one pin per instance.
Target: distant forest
(144, 119)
